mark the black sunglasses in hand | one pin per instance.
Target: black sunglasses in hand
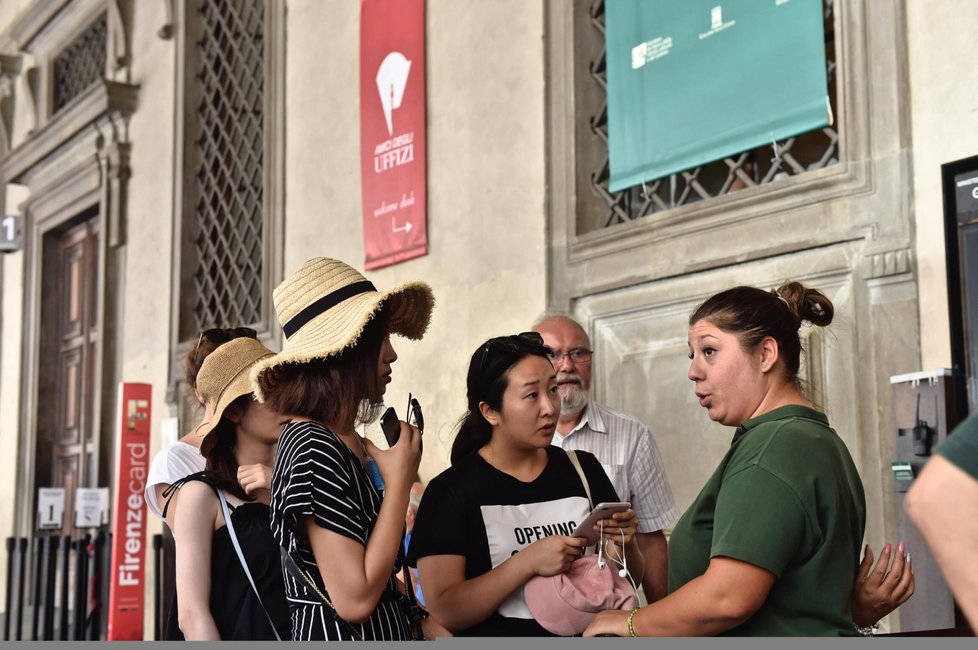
(390, 425)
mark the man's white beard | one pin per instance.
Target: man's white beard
(573, 398)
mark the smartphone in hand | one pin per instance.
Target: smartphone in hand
(601, 511)
(391, 427)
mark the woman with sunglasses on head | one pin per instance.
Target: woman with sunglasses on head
(228, 574)
(770, 547)
(505, 510)
(182, 457)
(341, 537)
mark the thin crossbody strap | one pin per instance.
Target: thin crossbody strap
(414, 609)
(241, 557)
(299, 575)
(575, 461)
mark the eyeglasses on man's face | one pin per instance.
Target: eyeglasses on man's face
(577, 355)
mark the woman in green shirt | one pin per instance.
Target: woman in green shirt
(771, 544)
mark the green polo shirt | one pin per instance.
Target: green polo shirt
(961, 447)
(787, 498)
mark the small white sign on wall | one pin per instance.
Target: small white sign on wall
(90, 511)
(50, 508)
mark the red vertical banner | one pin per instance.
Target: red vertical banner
(392, 131)
(128, 569)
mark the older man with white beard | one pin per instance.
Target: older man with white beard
(622, 444)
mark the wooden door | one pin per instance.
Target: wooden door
(74, 283)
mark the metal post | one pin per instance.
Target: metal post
(36, 589)
(42, 597)
(21, 575)
(11, 545)
(94, 583)
(81, 586)
(49, 603)
(157, 565)
(65, 570)
(106, 573)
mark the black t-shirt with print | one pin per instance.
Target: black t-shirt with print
(474, 510)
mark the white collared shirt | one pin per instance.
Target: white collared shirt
(625, 448)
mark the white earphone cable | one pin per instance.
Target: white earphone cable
(622, 561)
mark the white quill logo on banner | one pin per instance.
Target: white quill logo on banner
(392, 76)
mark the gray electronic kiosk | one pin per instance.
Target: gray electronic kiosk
(924, 412)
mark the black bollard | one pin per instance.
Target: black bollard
(36, 589)
(157, 565)
(81, 585)
(42, 596)
(51, 568)
(65, 570)
(11, 546)
(21, 575)
(106, 573)
(94, 610)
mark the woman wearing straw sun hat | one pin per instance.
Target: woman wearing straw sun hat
(182, 457)
(229, 580)
(340, 537)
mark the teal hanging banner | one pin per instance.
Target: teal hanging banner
(694, 81)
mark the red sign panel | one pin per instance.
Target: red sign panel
(128, 570)
(392, 131)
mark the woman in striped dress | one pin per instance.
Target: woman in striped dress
(341, 535)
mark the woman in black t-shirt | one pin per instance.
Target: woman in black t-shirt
(505, 510)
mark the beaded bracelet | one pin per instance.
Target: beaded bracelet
(631, 619)
(867, 631)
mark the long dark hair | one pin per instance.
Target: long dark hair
(337, 389)
(753, 314)
(221, 462)
(486, 382)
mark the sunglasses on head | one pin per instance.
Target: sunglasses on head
(220, 335)
(510, 343)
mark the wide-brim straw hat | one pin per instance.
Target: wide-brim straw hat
(324, 306)
(224, 377)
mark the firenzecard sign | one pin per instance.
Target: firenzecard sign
(128, 570)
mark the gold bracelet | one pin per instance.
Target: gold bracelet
(631, 619)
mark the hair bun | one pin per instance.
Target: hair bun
(806, 304)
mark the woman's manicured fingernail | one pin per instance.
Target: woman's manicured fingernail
(901, 546)
(886, 549)
(908, 557)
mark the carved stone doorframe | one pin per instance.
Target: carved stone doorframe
(90, 175)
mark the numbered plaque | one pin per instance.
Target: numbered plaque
(11, 239)
(50, 508)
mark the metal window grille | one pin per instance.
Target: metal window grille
(80, 64)
(806, 152)
(229, 145)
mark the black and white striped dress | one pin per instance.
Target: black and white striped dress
(315, 474)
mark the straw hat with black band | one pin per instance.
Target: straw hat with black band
(224, 377)
(324, 306)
